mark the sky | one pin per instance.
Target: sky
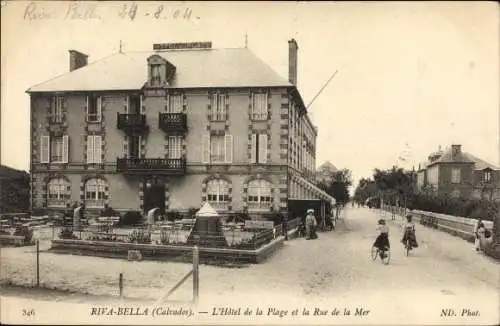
(411, 76)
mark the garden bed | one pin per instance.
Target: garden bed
(166, 252)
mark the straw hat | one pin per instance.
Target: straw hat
(310, 211)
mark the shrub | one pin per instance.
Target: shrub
(67, 233)
(164, 237)
(140, 236)
(130, 218)
(173, 215)
(471, 208)
(25, 232)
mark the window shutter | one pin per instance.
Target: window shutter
(139, 147)
(45, 149)
(228, 145)
(65, 155)
(253, 155)
(262, 148)
(205, 149)
(99, 108)
(90, 149)
(97, 149)
(141, 100)
(87, 102)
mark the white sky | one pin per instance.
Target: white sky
(421, 74)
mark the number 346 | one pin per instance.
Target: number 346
(28, 313)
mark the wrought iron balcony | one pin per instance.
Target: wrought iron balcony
(165, 166)
(131, 122)
(173, 122)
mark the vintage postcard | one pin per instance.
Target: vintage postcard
(305, 163)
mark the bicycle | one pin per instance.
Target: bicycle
(385, 255)
(408, 247)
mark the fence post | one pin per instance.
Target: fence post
(37, 262)
(120, 284)
(196, 279)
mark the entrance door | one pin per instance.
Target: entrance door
(154, 194)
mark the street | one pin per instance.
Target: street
(442, 281)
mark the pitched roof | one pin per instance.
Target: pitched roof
(194, 68)
(448, 157)
(481, 164)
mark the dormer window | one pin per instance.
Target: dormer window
(161, 72)
(156, 74)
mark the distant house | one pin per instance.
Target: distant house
(459, 174)
(14, 190)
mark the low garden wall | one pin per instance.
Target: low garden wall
(165, 252)
(459, 226)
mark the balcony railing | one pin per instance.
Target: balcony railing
(129, 122)
(174, 122)
(167, 166)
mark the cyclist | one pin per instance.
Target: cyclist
(409, 232)
(382, 241)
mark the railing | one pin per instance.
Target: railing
(156, 165)
(172, 122)
(126, 121)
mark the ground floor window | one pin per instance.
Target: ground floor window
(58, 192)
(259, 194)
(218, 193)
(95, 193)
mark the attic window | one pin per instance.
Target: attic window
(487, 176)
(155, 73)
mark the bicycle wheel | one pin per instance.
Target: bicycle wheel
(374, 253)
(387, 257)
(407, 247)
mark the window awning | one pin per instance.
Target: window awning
(312, 187)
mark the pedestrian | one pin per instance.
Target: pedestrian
(77, 216)
(478, 231)
(151, 217)
(311, 224)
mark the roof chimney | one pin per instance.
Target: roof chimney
(77, 60)
(456, 149)
(292, 61)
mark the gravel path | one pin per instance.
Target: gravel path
(335, 271)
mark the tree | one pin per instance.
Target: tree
(337, 185)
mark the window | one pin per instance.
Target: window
(94, 108)
(134, 104)
(487, 176)
(155, 74)
(56, 109)
(94, 145)
(95, 193)
(134, 147)
(259, 194)
(58, 192)
(218, 193)
(217, 149)
(218, 107)
(54, 149)
(174, 147)
(259, 148)
(259, 106)
(175, 103)
(455, 175)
